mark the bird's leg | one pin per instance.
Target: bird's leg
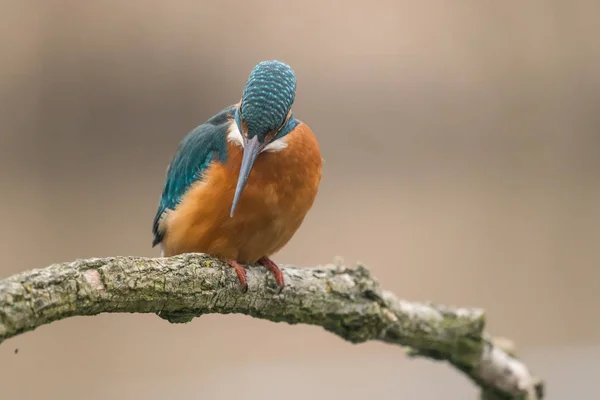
(241, 273)
(271, 266)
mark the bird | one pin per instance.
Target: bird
(240, 185)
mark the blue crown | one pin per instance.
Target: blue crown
(268, 96)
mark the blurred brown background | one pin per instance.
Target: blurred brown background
(462, 164)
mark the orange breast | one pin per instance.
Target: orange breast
(280, 191)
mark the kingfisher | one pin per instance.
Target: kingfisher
(240, 185)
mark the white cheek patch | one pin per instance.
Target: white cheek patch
(234, 135)
(276, 145)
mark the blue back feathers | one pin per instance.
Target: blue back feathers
(206, 143)
(268, 97)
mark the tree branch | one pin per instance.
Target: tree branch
(345, 301)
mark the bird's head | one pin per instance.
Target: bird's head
(263, 114)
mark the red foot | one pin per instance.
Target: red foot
(241, 273)
(271, 266)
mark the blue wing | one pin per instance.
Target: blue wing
(196, 151)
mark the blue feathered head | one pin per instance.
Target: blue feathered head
(267, 99)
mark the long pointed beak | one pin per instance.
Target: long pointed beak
(251, 150)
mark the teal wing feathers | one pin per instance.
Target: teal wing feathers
(200, 147)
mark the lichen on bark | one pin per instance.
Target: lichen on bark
(348, 302)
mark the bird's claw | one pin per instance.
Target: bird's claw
(271, 266)
(241, 273)
(265, 262)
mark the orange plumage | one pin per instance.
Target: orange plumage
(240, 185)
(281, 189)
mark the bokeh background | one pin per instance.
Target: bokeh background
(462, 162)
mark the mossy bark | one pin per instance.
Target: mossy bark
(345, 301)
